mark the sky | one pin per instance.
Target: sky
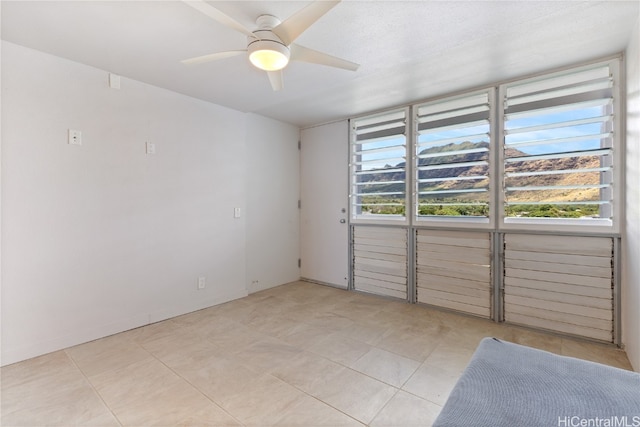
(588, 135)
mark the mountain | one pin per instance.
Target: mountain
(528, 166)
(568, 163)
(433, 173)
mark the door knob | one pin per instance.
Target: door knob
(342, 221)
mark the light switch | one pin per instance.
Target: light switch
(114, 81)
(151, 148)
(236, 212)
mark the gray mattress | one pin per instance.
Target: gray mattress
(507, 384)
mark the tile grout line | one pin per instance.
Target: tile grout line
(371, 346)
(271, 374)
(384, 406)
(303, 350)
(194, 387)
(315, 398)
(423, 398)
(97, 393)
(345, 367)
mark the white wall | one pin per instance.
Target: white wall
(631, 238)
(273, 189)
(0, 189)
(100, 238)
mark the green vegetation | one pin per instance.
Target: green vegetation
(376, 206)
(552, 211)
(454, 210)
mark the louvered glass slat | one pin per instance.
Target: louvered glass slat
(378, 163)
(453, 153)
(379, 171)
(556, 172)
(601, 152)
(455, 127)
(380, 193)
(379, 121)
(395, 126)
(379, 204)
(453, 178)
(557, 187)
(453, 165)
(453, 113)
(379, 183)
(452, 204)
(587, 137)
(394, 147)
(558, 125)
(454, 104)
(565, 91)
(561, 203)
(600, 103)
(544, 83)
(444, 141)
(469, 190)
(392, 135)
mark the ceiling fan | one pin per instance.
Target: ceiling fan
(270, 47)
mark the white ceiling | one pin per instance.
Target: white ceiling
(408, 50)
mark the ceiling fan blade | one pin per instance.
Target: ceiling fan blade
(275, 78)
(212, 57)
(304, 54)
(224, 19)
(296, 24)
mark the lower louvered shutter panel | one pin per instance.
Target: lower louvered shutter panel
(380, 260)
(454, 270)
(560, 283)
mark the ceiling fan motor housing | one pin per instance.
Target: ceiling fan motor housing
(267, 51)
(267, 22)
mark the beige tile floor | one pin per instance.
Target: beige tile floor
(297, 355)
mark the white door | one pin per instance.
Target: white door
(324, 196)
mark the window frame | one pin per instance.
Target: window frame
(354, 216)
(574, 225)
(497, 220)
(473, 222)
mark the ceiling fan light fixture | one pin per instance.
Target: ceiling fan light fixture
(268, 55)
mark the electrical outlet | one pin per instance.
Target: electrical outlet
(75, 137)
(202, 282)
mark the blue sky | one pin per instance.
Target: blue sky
(581, 130)
(475, 134)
